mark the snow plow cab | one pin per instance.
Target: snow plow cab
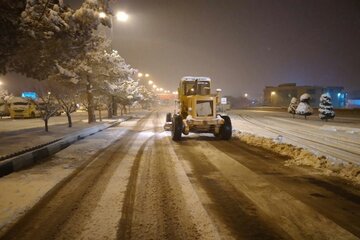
(197, 110)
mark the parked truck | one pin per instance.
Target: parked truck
(197, 110)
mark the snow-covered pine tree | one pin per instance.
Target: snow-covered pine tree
(293, 105)
(326, 109)
(145, 97)
(127, 93)
(99, 71)
(304, 108)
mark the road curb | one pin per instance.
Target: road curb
(30, 158)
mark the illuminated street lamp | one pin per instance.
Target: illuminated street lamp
(140, 74)
(154, 86)
(150, 82)
(161, 89)
(175, 92)
(273, 93)
(246, 95)
(122, 16)
(147, 75)
(102, 15)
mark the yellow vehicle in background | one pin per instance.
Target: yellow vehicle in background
(198, 110)
(23, 108)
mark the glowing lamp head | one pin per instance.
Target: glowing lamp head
(122, 16)
(102, 15)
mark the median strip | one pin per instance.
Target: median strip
(33, 155)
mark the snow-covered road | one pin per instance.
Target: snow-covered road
(338, 140)
(133, 182)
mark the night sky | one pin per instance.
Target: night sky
(243, 45)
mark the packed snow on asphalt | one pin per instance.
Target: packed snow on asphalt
(133, 182)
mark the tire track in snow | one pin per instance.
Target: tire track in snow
(165, 205)
(296, 218)
(47, 219)
(234, 214)
(124, 228)
(331, 197)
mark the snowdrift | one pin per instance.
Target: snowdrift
(300, 156)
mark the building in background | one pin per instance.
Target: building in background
(281, 95)
(353, 100)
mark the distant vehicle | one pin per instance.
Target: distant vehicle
(4, 108)
(23, 108)
(197, 111)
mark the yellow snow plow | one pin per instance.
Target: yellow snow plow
(197, 110)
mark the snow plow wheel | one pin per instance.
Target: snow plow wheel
(226, 128)
(176, 129)
(168, 117)
(217, 135)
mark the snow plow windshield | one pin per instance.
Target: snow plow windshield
(197, 87)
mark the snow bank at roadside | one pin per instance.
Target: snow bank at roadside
(300, 156)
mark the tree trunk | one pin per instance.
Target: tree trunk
(46, 125)
(114, 106)
(69, 119)
(109, 108)
(90, 99)
(109, 112)
(121, 110)
(100, 118)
